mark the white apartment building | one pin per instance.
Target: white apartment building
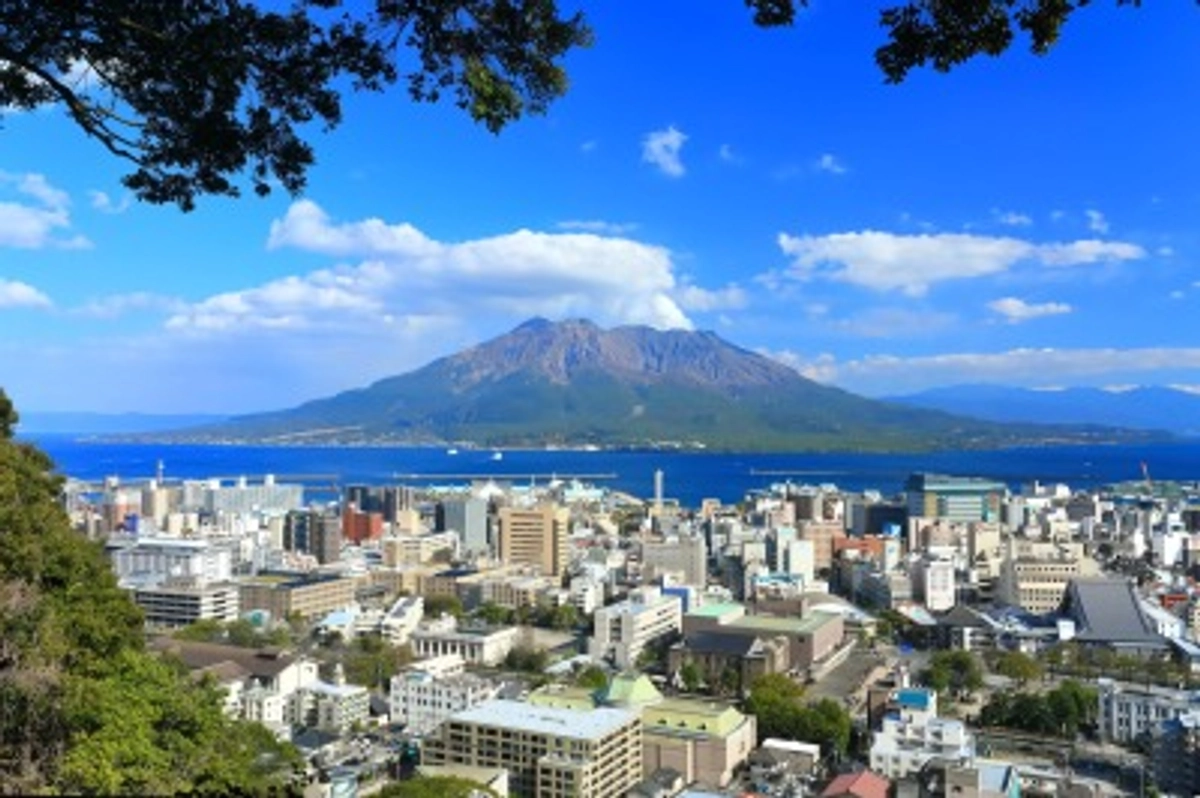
(146, 560)
(623, 630)
(422, 700)
(935, 584)
(174, 604)
(1129, 710)
(912, 734)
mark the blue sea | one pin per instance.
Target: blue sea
(688, 477)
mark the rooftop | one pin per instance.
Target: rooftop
(569, 723)
(1107, 610)
(783, 625)
(717, 609)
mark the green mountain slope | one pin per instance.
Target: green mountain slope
(572, 383)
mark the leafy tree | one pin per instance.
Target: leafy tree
(956, 671)
(194, 95)
(434, 787)
(443, 605)
(1062, 711)
(84, 708)
(1019, 667)
(690, 675)
(371, 662)
(592, 677)
(528, 659)
(493, 614)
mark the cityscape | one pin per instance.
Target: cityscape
(566, 639)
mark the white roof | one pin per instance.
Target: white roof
(592, 725)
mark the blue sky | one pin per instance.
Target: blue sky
(1027, 221)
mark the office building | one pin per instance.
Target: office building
(313, 532)
(422, 700)
(548, 752)
(623, 630)
(176, 603)
(467, 517)
(954, 498)
(307, 595)
(536, 536)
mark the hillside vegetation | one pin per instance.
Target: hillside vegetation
(84, 708)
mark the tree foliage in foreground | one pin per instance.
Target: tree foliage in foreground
(194, 95)
(435, 787)
(775, 701)
(1062, 711)
(84, 708)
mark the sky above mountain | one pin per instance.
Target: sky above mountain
(1022, 220)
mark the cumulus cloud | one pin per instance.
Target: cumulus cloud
(1096, 221)
(1016, 310)
(15, 294)
(597, 226)
(401, 272)
(727, 154)
(662, 149)
(884, 261)
(890, 374)
(828, 162)
(694, 298)
(38, 216)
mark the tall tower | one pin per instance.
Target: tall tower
(658, 493)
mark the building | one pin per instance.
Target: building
(177, 603)
(810, 638)
(285, 594)
(935, 584)
(912, 734)
(147, 560)
(313, 532)
(1130, 712)
(535, 536)
(954, 498)
(548, 752)
(334, 707)
(623, 630)
(1107, 612)
(686, 557)
(421, 700)
(721, 658)
(863, 784)
(243, 497)
(1175, 754)
(476, 645)
(1035, 574)
(359, 525)
(467, 517)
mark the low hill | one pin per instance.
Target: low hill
(572, 383)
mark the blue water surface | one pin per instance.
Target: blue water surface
(688, 477)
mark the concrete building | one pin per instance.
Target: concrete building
(150, 559)
(548, 752)
(307, 595)
(476, 645)
(1035, 573)
(421, 700)
(954, 498)
(244, 497)
(313, 532)
(810, 639)
(177, 603)
(686, 557)
(334, 707)
(467, 517)
(1175, 754)
(1130, 711)
(935, 584)
(623, 630)
(535, 536)
(912, 734)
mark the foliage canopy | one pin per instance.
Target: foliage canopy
(84, 708)
(194, 95)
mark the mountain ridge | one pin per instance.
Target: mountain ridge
(572, 382)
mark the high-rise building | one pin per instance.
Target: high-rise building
(313, 532)
(468, 517)
(535, 536)
(954, 498)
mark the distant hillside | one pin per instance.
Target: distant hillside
(574, 383)
(51, 423)
(1147, 408)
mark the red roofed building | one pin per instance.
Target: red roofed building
(863, 784)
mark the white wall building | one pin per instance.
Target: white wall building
(155, 559)
(912, 734)
(477, 646)
(623, 630)
(422, 700)
(1129, 710)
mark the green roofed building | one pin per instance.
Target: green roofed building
(703, 740)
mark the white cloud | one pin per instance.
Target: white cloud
(1012, 218)
(894, 323)
(116, 305)
(1176, 295)
(884, 261)
(38, 216)
(693, 297)
(727, 154)
(822, 368)
(589, 146)
(15, 294)
(402, 272)
(662, 148)
(1164, 252)
(828, 162)
(104, 203)
(597, 226)
(1096, 221)
(891, 374)
(1016, 310)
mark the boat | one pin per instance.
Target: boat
(497, 455)
(452, 451)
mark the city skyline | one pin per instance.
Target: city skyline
(1021, 220)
